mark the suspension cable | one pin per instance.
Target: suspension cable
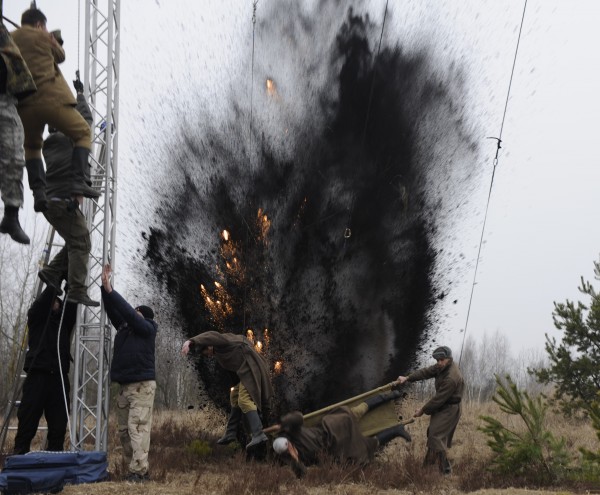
(495, 163)
(255, 3)
(251, 139)
(348, 230)
(373, 78)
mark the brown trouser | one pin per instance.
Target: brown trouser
(65, 118)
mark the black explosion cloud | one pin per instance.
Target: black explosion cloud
(323, 232)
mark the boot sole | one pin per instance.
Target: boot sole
(85, 302)
(23, 240)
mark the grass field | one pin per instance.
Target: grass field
(180, 466)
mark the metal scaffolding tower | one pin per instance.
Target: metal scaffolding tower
(91, 380)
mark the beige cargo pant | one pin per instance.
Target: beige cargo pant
(239, 397)
(135, 403)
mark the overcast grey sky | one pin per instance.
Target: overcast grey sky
(541, 233)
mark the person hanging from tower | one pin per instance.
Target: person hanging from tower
(64, 214)
(16, 83)
(53, 104)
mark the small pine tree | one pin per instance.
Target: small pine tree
(594, 412)
(574, 367)
(531, 452)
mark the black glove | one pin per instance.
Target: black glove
(78, 85)
(298, 468)
(72, 205)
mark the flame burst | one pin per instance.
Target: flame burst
(271, 89)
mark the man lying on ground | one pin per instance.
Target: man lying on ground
(336, 435)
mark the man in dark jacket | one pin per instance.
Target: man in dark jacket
(134, 370)
(444, 407)
(337, 435)
(45, 391)
(64, 214)
(252, 394)
(53, 104)
(15, 83)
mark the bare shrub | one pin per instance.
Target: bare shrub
(18, 266)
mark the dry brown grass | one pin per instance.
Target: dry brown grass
(176, 468)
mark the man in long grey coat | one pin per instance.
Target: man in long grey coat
(254, 391)
(444, 407)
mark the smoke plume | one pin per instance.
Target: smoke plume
(328, 197)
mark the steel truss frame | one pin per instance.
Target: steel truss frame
(91, 380)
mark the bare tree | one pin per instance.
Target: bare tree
(18, 266)
(525, 380)
(177, 384)
(468, 367)
(491, 355)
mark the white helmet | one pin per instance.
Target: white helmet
(280, 445)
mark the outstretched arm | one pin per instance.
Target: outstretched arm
(113, 313)
(186, 347)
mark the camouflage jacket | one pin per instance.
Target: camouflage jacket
(19, 81)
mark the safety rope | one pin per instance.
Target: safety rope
(60, 369)
(348, 230)
(495, 163)
(78, 35)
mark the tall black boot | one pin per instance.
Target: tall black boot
(232, 427)
(37, 183)
(80, 173)
(444, 463)
(390, 433)
(256, 428)
(379, 399)
(10, 225)
(431, 458)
